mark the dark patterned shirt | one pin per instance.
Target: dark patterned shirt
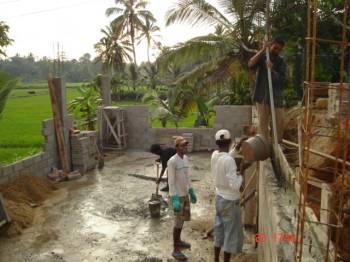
(278, 73)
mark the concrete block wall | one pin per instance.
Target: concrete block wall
(233, 118)
(83, 147)
(138, 127)
(39, 164)
(276, 218)
(203, 138)
(141, 135)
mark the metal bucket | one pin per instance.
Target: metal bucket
(255, 149)
(154, 208)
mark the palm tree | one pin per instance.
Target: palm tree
(148, 29)
(149, 73)
(131, 16)
(165, 110)
(237, 29)
(113, 49)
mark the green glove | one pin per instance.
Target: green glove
(192, 196)
(176, 203)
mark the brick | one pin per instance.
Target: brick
(7, 170)
(48, 123)
(19, 165)
(28, 162)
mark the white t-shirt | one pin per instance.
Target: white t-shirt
(224, 171)
(178, 179)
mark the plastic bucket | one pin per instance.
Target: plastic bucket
(154, 208)
(255, 148)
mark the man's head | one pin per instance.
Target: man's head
(223, 139)
(277, 46)
(156, 149)
(181, 145)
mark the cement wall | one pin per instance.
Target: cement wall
(276, 218)
(141, 135)
(39, 164)
(83, 147)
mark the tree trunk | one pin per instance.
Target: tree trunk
(148, 46)
(132, 35)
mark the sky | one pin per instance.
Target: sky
(36, 26)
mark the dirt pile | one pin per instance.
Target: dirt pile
(20, 196)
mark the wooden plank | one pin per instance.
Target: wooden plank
(111, 128)
(341, 161)
(248, 184)
(59, 130)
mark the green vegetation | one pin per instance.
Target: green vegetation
(4, 39)
(21, 122)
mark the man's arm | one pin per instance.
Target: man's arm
(164, 166)
(171, 178)
(255, 59)
(235, 181)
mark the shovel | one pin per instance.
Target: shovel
(156, 196)
(155, 202)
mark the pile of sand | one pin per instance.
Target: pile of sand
(19, 198)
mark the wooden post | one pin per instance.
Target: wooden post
(325, 208)
(59, 130)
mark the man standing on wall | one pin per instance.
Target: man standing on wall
(261, 92)
(180, 190)
(164, 153)
(228, 231)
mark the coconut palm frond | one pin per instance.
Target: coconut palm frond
(195, 12)
(199, 49)
(113, 11)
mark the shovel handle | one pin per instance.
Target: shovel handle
(157, 187)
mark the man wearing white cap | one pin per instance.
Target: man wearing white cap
(228, 231)
(181, 193)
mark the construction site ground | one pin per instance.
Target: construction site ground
(104, 216)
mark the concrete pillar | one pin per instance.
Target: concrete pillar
(60, 92)
(106, 90)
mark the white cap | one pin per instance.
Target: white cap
(222, 134)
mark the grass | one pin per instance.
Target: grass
(21, 121)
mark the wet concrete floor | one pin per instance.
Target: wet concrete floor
(104, 216)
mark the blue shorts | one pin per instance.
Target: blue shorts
(228, 231)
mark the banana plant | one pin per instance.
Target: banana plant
(84, 107)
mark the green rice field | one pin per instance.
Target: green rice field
(21, 121)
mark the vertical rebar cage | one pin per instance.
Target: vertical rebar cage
(333, 218)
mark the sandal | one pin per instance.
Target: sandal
(184, 244)
(178, 255)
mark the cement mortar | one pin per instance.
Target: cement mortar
(104, 217)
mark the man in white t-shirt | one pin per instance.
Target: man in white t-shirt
(228, 231)
(181, 193)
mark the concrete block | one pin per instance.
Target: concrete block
(48, 123)
(45, 156)
(19, 165)
(27, 162)
(37, 158)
